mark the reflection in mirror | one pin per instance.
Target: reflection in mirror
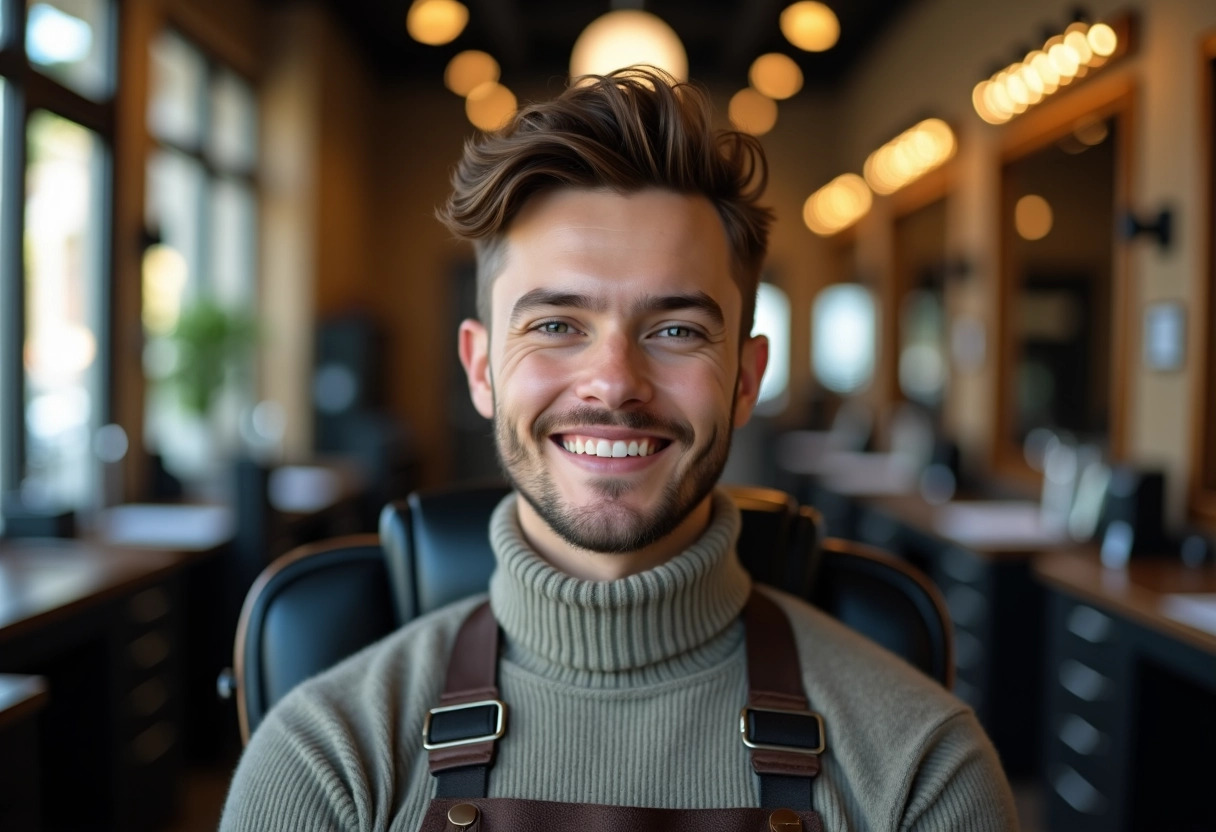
(1057, 221)
(920, 255)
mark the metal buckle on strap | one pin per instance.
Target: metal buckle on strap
(500, 724)
(794, 749)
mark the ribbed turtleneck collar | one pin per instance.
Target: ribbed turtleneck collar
(658, 624)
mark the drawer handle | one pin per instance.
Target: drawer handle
(1083, 682)
(149, 650)
(1078, 793)
(148, 606)
(1080, 736)
(1089, 624)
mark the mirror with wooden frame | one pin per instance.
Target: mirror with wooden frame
(1063, 345)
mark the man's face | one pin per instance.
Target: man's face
(613, 369)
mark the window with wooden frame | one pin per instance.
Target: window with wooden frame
(57, 82)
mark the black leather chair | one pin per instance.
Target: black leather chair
(320, 603)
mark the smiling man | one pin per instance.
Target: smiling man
(619, 240)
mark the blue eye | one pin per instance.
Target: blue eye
(676, 332)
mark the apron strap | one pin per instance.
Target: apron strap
(784, 736)
(461, 733)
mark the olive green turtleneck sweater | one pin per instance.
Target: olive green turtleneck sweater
(624, 692)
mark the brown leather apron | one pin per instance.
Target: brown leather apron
(784, 736)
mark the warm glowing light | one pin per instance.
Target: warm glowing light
(910, 155)
(1102, 40)
(752, 112)
(1063, 58)
(987, 111)
(61, 351)
(810, 26)
(469, 70)
(1078, 43)
(436, 22)
(489, 106)
(1091, 133)
(1032, 217)
(775, 75)
(624, 38)
(837, 205)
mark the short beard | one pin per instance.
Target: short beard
(611, 527)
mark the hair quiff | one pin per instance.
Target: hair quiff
(633, 129)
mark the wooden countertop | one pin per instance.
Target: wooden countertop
(1160, 593)
(46, 580)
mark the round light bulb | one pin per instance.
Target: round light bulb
(810, 26)
(490, 106)
(776, 76)
(752, 112)
(625, 38)
(436, 22)
(1102, 40)
(1077, 41)
(469, 70)
(1032, 217)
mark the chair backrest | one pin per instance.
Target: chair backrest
(436, 550)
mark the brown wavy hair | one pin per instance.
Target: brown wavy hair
(630, 130)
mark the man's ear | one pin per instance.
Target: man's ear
(474, 350)
(753, 358)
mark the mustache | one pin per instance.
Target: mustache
(638, 420)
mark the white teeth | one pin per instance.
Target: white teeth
(615, 449)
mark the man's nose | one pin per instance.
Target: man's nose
(614, 373)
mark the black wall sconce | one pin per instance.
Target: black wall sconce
(1161, 227)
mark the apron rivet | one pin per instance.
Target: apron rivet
(784, 820)
(462, 815)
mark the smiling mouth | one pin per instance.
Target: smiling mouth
(611, 448)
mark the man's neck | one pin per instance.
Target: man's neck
(610, 566)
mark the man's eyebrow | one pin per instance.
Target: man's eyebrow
(546, 298)
(696, 301)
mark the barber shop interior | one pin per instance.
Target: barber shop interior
(241, 442)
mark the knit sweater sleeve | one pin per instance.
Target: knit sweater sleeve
(295, 775)
(959, 785)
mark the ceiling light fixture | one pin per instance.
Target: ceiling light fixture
(909, 156)
(1064, 58)
(752, 112)
(837, 205)
(436, 22)
(624, 38)
(810, 26)
(776, 76)
(468, 70)
(490, 106)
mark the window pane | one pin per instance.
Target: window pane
(233, 245)
(233, 139)
(843, 337)
(175, 208)
(5, 314)
(178, 73)
(773, 320)
(69, 40)
(63, 234)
